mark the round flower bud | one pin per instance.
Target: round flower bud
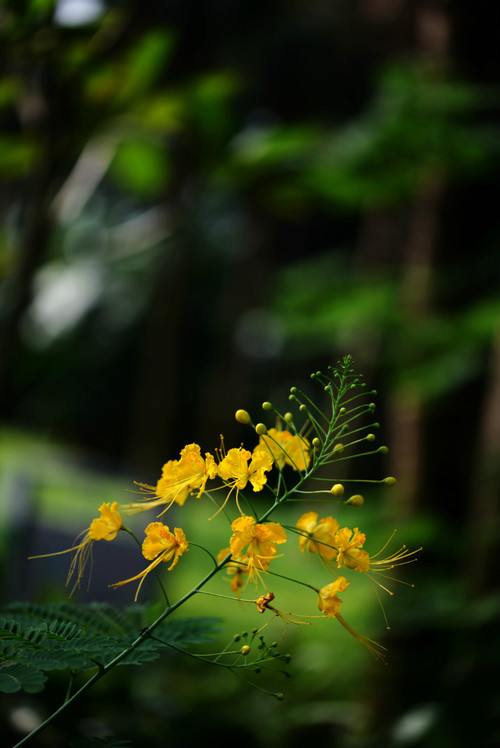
(279, 696)
(242, 416)
(303, 408)
(390, 481)
(293, 390)
(267, 406)
(236, 637)
(261, 429)
(288, 417)
(316, 442)
(341, 411)
(383, 450)
(370, 437)
(356, 500)
(338, 449)
(245, 650)
(337, 489)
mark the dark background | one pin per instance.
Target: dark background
(205, 201)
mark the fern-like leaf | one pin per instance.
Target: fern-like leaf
(38, 638)
(19, 676)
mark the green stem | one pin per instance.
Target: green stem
(104, 669)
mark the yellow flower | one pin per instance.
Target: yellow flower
(286, 448)
(194, 471)
(161, 545)
(263, 602)
(318, 536)
(179, 478)
(235, 469)
(328, 602)
(105, 527)
(346, 541)
(358, 560)
(236, 568)
(259, 540)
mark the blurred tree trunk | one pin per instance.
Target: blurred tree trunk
(40, 115)
(481, 566)
(406, 406)
(401, 25)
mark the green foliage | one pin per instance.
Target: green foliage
(323, 302)
(416, 129)
(140, 166)
(35, 639)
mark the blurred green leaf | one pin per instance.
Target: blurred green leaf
(141, 166)
(145, 63)
(262, 148)
(17, 155)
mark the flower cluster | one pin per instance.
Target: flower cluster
(287, 463)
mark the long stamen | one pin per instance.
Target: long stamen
(377, 650)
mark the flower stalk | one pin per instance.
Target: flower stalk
(282, 461)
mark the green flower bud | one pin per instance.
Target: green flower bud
(338, 449)
(261, 429)
(267, 406)
(245, 650)
(383, 450)
(390, 481)
(288, 417)
(370, 437)
(316, 442)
